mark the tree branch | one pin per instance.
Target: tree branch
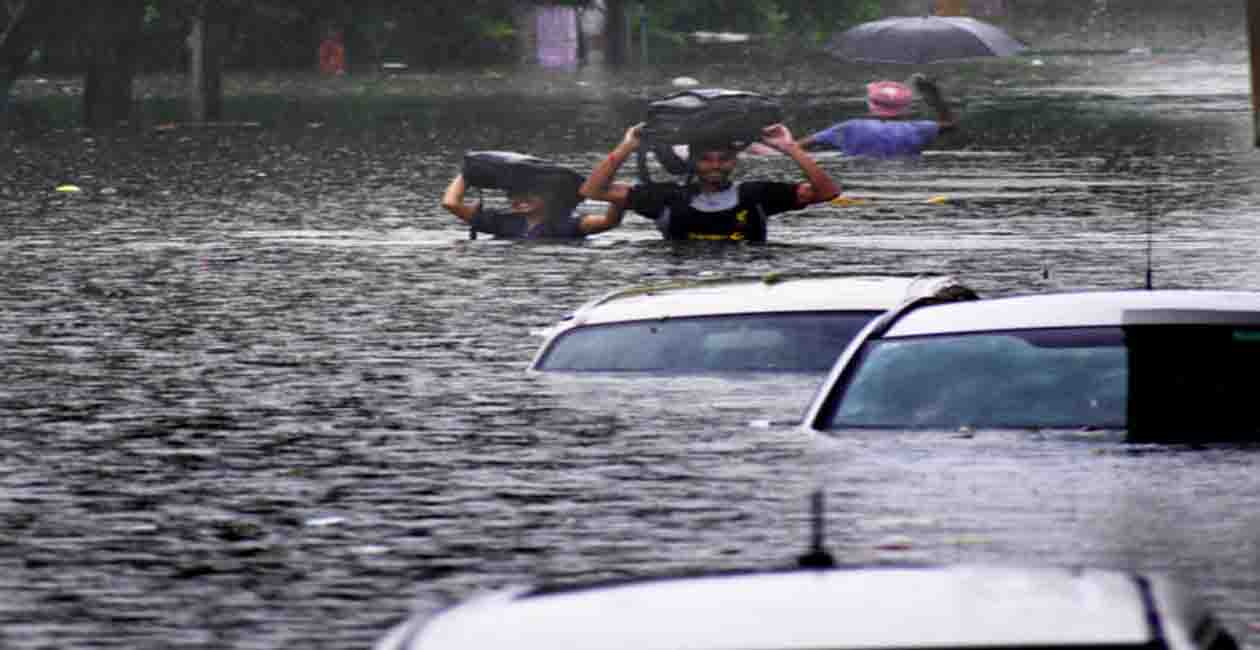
(15, 10)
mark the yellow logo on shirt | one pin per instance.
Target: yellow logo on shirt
(741, 219)
(702, 236)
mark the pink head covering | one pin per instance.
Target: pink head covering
(888, 98)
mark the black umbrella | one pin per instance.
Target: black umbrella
(922, 39)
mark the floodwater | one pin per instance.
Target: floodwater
(259, 391)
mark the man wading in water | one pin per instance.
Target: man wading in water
(537, 212)
(885, 132)
(714, 207)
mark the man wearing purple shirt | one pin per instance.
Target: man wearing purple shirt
(886, 133)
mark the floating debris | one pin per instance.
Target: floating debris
(68, 188)
(320, 522)
(895, 543)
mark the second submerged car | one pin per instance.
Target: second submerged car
(1161, 366)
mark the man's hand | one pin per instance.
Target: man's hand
(927, 88)
(778, 136)
(633, 136)
(925, 85)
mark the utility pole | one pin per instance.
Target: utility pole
(1253, 42)
(643, 33)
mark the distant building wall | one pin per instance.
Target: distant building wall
(556, 29)
(561, 35)
(592, 26)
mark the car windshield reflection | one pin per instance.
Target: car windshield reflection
(773, 342)
(1066, 378)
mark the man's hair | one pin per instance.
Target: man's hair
(725, 146)
(561, 204)
(558, 195)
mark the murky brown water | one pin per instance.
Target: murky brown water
(259, 391)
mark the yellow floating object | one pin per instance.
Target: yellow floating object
(68, 188)
(939, 199)
(843, 200)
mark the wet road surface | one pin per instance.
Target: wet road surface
(260, 391)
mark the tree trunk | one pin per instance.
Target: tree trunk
(951, 7)
(1253, 41)
(107, 87)
(110, 75)
(615, 31)
(526, 18)
(14, 15)
(205, 89)
(8, 75)
(14, 53)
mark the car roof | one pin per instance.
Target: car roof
(766, 294)
(1082, 309)
(890, 607)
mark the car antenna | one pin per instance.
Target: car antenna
(817, 557)
(1149, 245)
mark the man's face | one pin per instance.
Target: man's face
(715, 167)
(525, 203)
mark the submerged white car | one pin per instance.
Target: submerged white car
(1165, 365)
(777, 323)
(942, 608)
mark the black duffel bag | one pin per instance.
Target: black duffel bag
(704, 115)
(517, 172)
(711, 115)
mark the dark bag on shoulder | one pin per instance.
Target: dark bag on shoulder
(517, 172)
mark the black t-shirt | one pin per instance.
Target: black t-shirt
(737, 213)
(509, 225)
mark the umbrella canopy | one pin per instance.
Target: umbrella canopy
(922, 39)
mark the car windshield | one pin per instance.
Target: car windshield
(1139, 378)
(778, 342)
(1029, 646)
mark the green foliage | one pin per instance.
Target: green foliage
(783, 25)
(152, 14)
(816, 20)
(753, 16)
(497, 29)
